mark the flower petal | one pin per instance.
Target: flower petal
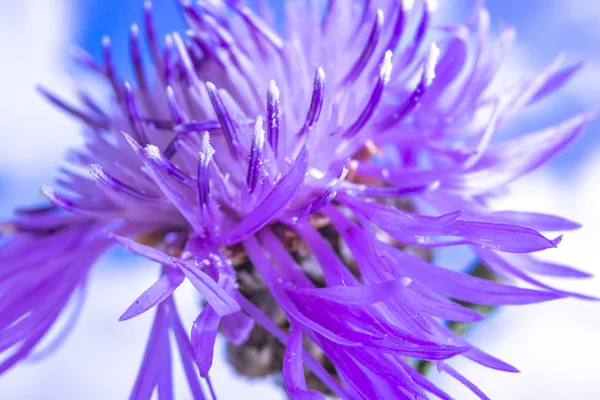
(276, 200)
(159, 291)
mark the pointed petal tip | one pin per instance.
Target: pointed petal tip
(556, 241)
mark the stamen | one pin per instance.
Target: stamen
(399, 25)
(168, 61)
(364, 13)
(88, 119)
(185, 129)
(227, 124)
(151, 36)
(84, 58)
(365, 56)
(110, 68)
(256, 24)
(118, 186)
(329, 195)
(427, 76)
(177, 113)
(385, 72)
(166, 165)
(134, 116)
(205, 155)
(177, 197)
(205, 43)
(70, 205)
(254, 166)
(136, 58)
(316, 102)
(184, 56)
(273, 115)
(92, 105)
(327, 15)
(432, 5)
(430, 62)
(419, 35)
(201, 125)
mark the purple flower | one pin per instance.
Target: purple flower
(300, 182)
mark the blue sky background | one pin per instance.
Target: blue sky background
(544, 341)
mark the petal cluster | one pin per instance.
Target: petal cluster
(239, 143)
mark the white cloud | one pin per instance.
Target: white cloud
(555, 344)
(35, 38)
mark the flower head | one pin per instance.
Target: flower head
(300, 182)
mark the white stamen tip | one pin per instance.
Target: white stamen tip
(47, 191)
(135, 30)
(343, 175)
(320, 74)
(259, 133)
(408, 5)
(430, 62)
(211, 86)
(273, 91)
(206, 150)
(94, 170)
(379, 17)
(106, 41)
(170, 92)
(152, 152)
(432, 5)
(385, 73)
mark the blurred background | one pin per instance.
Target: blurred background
(555, 345)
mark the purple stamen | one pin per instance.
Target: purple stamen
(316, 102)
(168, 167)
(397, 30)
(273, 115)
(227, 124)
(364, 13)
(168, 61)
(327, 197)
(177, 113)
(88, 119)
(72, 206)
(205, 155)
(385, 72)
(118, 186)
(109, 67)
(185, 129)
(255, 163)
(151, 35)
(256, 25)
(427, 76)
(85, 59)
(92, 105)
(365, 56)
(134, 116)
(419, 35)
(327, 15)
(136, 58)
(205, 43)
